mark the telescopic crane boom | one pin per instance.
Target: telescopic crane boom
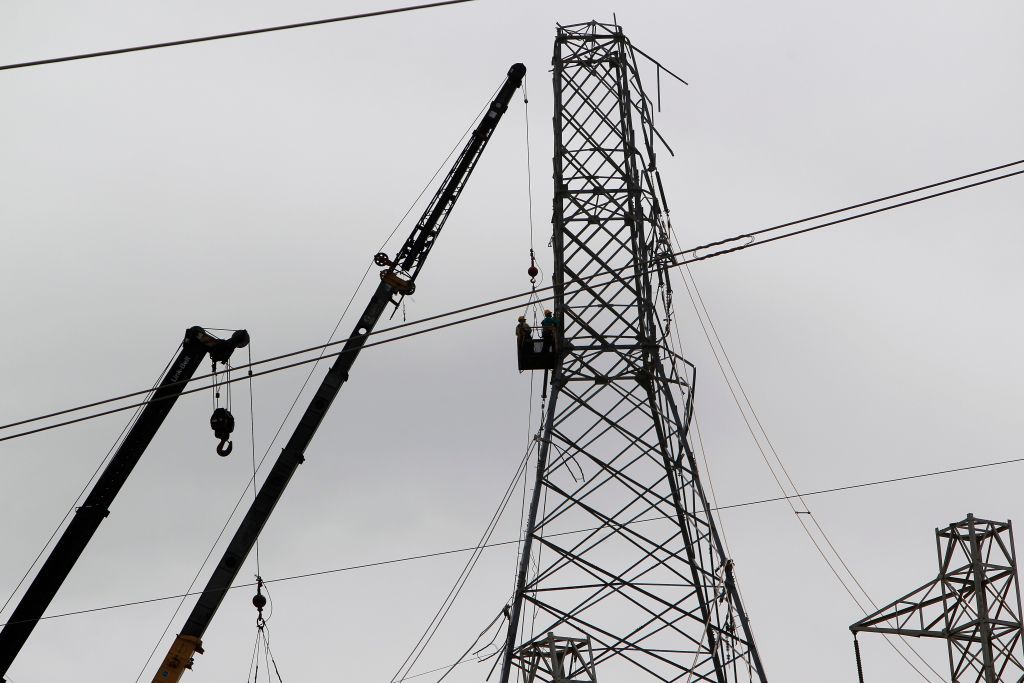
(196, 345)
(397, 280)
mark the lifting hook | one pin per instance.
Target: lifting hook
(259, 601)
(223, 423)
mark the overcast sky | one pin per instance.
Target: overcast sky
(247, 183)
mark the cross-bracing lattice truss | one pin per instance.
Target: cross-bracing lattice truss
(649, 586)
(973, 604)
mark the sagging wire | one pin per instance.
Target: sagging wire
(566, 458)
(723, 596)
(432, 627)
(700, 307)
(501, 615)
(532, 440)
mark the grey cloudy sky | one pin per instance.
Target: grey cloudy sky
(246, 183)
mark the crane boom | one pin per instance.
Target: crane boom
(397, 280)
(58, 565)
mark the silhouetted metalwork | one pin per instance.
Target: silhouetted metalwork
(397, 280)
(973, 604)
(648, 588)
(559, 660)
(73, 541)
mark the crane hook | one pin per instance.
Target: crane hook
(259, 601)
(222, 422)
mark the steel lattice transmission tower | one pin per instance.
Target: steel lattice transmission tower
(973, 604)
(648, 593)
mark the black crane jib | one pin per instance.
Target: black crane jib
(393, 284)
(412, 254)
(196, 345)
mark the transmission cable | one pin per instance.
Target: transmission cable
(778, 482)
(496, 544)
(798, 514)
(421, 645)
(469, 650)
(235, 34)
(752, 242)
(337, 325)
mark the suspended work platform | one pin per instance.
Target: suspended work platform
(533, 356)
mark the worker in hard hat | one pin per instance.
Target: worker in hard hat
(524, 334)
(549, 332)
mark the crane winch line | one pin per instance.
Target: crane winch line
(397, 281)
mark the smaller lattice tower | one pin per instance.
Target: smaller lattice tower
(973, 604)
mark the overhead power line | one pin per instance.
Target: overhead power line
(746, 241)
(860, 205)
(496, 544)
(234, 34)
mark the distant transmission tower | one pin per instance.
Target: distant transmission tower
(648, 592)
(973, 604)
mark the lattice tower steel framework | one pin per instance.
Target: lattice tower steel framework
(973, 604)
(649, 587)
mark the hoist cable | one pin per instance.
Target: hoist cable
(520, 295)
(234, 34)
(252, 442)
(529, 168)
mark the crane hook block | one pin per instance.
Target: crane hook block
(222, 422)
(532, 271)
